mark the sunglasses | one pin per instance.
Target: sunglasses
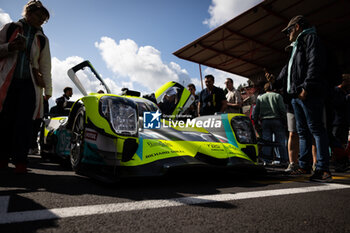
(289, 30)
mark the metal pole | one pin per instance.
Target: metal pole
(200, 73)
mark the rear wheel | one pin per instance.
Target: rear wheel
(77, 140)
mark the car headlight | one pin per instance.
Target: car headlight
(243, 128)
(121, 113)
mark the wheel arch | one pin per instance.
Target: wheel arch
(77, 105)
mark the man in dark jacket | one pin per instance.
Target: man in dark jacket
(340, 124)
(63, 103)
(304, 81)
(211, 99)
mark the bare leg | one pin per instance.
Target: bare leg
(293, 147)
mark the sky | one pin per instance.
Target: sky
(130, 43)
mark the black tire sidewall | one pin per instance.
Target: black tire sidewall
(76, 165)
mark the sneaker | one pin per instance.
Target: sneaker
(314, 167)
(275, 162)
(300, 171)
(21, 168)
(292, 167)
(321, 176)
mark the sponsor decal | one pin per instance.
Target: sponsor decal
(156, 144)
(152, 121)
(164, 153)
(63, 137)
(91, 135)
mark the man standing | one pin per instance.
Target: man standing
(305, 79)
(62, 102)
(234, 100)
(193, 108)
(340, 124)
(212, 99)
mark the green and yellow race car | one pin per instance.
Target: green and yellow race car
(127, 135)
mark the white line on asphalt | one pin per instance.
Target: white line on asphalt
(34, 215)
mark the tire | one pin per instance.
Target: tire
(77, 140)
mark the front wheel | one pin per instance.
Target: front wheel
(77, 140)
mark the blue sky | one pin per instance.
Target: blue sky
(131, 42)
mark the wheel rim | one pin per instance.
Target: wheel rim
(77, 139)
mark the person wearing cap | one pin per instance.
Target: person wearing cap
(25, 74)
(304, 82)
(211, 99)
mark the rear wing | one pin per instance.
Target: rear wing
(72, 75)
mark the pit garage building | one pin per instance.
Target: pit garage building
(252, 42)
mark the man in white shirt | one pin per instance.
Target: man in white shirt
(234, 100)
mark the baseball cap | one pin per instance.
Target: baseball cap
(299, 19)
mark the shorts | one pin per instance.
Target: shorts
(292, 127)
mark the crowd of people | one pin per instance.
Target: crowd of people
(308, 98)
(305, 139)
(301, 109)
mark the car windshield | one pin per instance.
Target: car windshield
(169, 100)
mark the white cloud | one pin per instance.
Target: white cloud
(220, 77)
(223, 10)
(60, 79)
(4, 18)
(141, 65)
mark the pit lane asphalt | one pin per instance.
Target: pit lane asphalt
(49, 186)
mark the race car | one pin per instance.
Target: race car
(127, 135)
